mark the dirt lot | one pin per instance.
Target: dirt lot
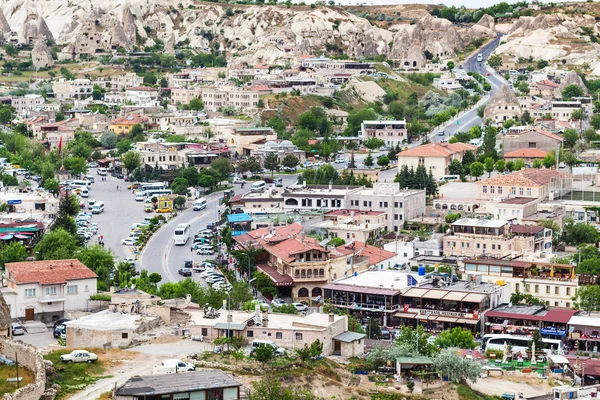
(528, 385)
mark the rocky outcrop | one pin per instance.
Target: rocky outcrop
(502, 106)
(571, 78)
(35, 28)
(41, 56)
(4, 26)
(485, 27)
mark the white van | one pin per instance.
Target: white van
(263, 343)
(98, 207)
(139, 196)
(81, 183)
(101, 171)
(479, 57)
(173, 366)
(85, 193)
(450, 178)
(258, 186)
(199, 204)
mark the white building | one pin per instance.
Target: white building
(124, 81)
(75, 89)
(391, 132)
(26, 103)
(45, 290)
(141, 95)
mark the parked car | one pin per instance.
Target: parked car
(300, 307)
(79, 356)
(128, 242)
(60, 331)
(185, 272)
(60, 322)
(205, 251)
(278, 303)
(164, 210)
(17, 329)
(148, 208)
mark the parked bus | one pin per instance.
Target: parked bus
(157, 192)
(152, 186)
(519, 343)
(182, 234)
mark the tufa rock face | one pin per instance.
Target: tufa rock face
(41, 56)
(4, 26)
(35, 28)
(502, 106)
(572, 78)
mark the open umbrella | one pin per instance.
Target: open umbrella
(7, 237)
(505, 354)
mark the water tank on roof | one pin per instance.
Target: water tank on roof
(421, 270)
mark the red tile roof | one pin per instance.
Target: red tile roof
(506, 315)
(560, 315)
(279, 279)
(129, 120)
(375, 254)
(526, 153)
(437, 150)
(529, 229)
(546, 82)
(525, 177)
(49, 272)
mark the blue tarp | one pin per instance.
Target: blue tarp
(236, 218)
(237, 233)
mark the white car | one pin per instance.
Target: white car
(278, 302)
(300, 307)
(79, 356)
(238, 180)
(128, 242)
(220, 285)
(339, 160)
(205, 252)
(308, 165)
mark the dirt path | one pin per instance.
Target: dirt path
(530, 387)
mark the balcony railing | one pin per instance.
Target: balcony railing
(365, 306)
(310, 278)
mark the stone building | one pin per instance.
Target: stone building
(503, 106)
(41, 56)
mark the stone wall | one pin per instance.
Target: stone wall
(30, 358)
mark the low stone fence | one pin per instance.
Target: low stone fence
(31, 359)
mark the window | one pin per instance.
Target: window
(520, 191)
(29, 292)
(72, 289)
(527, 287)
(50, 291)
(568, 292)
(499, 189)
(298, 336)
(478, 245)
(124, 335)
(204, 331)
(556, 304)
(547, 289)
(532, 145)
(250, 334)
(278, 335)
(484, 189)
(536, 288)
(364, 203)
(516, 287)
(492, 189)
(493, 247)
(395, 204)
(513, 190)
(568, 304)
(528, 191)
(87, 289)
(556, 290)
(385, 204)
(499, 247)
(380, 204)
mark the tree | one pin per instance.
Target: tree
(99, 260)
(450, 65)
(12, 252)
(495, 61)
(588, 298)
(368, 160)
(56, 245)
(131, 160)
(179, 202)
(52, 185)
(316, 349)
(451, 364)
(196, 104)
(109, 140)
(383, 161)
(223, 166)
(123, 146)
(499, 166)
(180, 186)
(76, 165)
(569, 158)
(11, 50)
(577, 233)
(150, 79)
(489, 165)
(373, 329)
(352, 162)
(595, 121)
(456, 168)
(137, 130)
(518, 164)
(290, 161)
(264, 354)
(411, 336)
(572, 91)
(271, 162)
(455, 337)
(304, 353)
(541, 64)
(191, 174)
(476, 169)
(373, 143)
(537, 163)
(468, 158)
(570, 138)
(489, 143)
(549, 160)
(240, 294)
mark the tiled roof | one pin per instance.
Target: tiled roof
(526, 153)
(129, 120)
(529, 229)
(548, 83)
(548, 134)
(375, 254)
(524, 177)
(437, 150)
(48, 272)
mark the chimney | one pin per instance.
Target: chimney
(331, 318)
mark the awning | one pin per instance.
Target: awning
(231, 326)
(558, 359)
(276, 277)
(415, 292)
(454, 296)
(22, 237)
(469, 321)
(405, 315)
(434, 294)
(474, 298)
(443, 318)
(50, 300)
(423, 317)
(7, 237)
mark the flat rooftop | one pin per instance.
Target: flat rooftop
(314, 321)
(487, 223)
(347, 227)
(268, 193)
(518, 200)
(161, 384)
(522, 309)
(387, 279)
(458, 191)
(322, 190)
(464, 286)
(108, 321)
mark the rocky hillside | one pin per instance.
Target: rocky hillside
(252, 34)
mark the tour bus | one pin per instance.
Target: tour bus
(519, 343)
(182, 234)
(153, 186)
(450, 178)
(98, 207)
(157, 192)
(199, 204)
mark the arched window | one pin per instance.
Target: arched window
(438, 206)
(291, 202)
(444, 206)
(461, 207)
(303, 292)
(309, 273)
(317, 292)
(316, 272)
(297, 274)
(303, 273)
(322, 272)
(453, 207)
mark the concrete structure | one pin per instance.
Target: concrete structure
(244, 140)
(201, 385)
(29, 102)
(531, 139)
(45, 290)
(524, 319)
(529, 182)
(142, 95)
(324, 63)
(400, 205)
(76, 89)
(435, 157)
(318, 197)
(391, 132)
(107, 329)
(503, 106)
(281, 148)
(267, 201)
(353, 224)
(544, 88)
(286, 330)
(124, 125)
(124, 81)
(34, 204)
(406, 249)
(555, 284)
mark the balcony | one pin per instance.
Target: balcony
(368, 306)
(310, 278)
